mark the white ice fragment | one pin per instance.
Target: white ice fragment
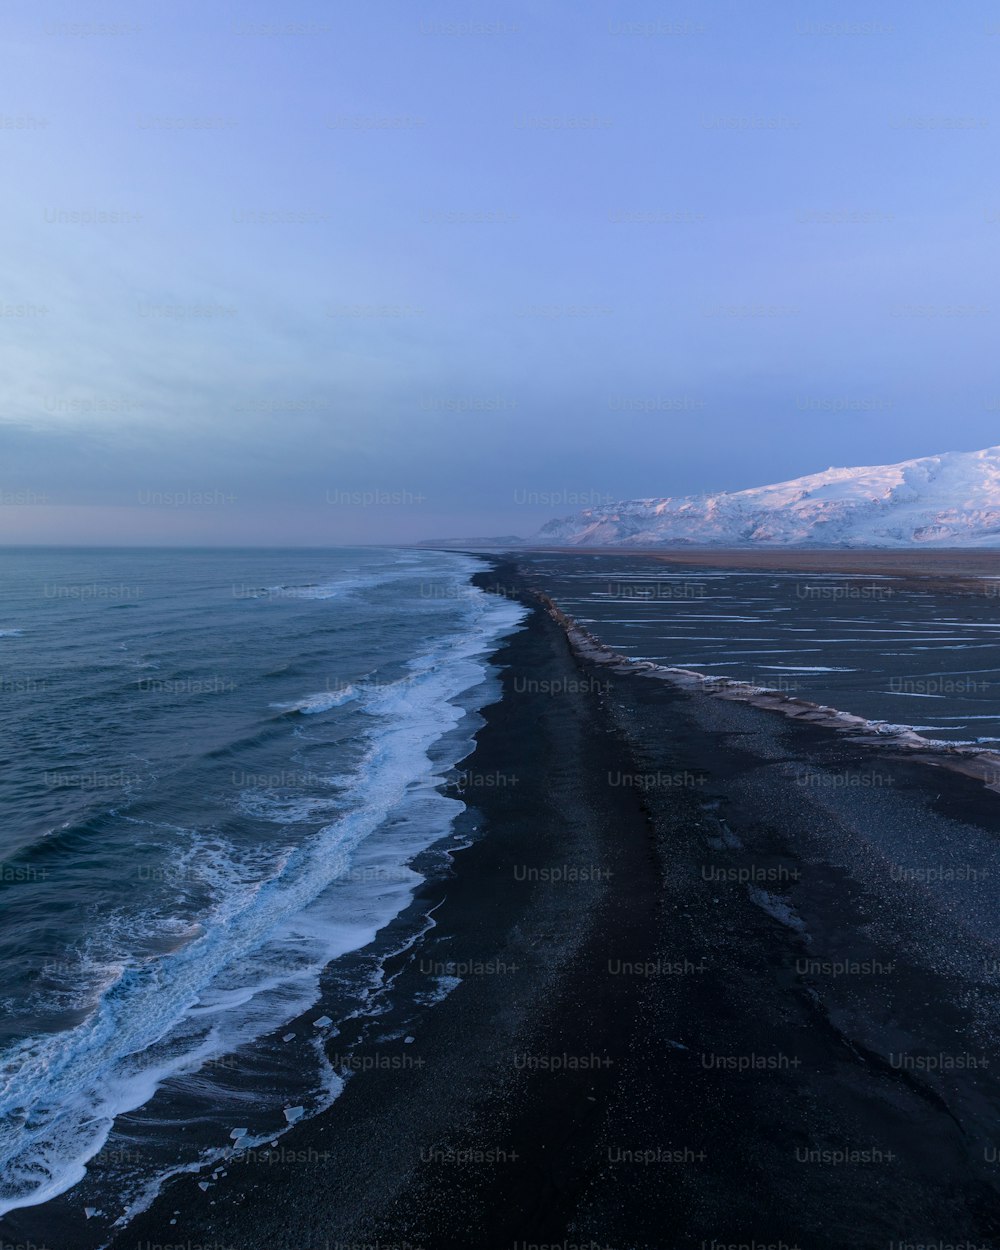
(322, 1023)
(293, 1113)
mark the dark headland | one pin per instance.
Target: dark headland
(727, 979)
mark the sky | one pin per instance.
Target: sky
(385, 271)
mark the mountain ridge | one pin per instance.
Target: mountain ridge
(949, 499)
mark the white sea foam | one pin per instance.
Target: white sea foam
(323, 701)
(443, 986)
(345, 587)
(271, 927)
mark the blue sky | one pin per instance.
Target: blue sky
(387, 271)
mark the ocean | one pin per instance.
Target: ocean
(224, 772)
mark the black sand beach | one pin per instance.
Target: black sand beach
(733, 980)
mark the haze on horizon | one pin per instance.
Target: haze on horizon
(386, 272)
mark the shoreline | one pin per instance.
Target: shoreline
(744, 974)
(543, 893)
(176, 1109)
(952, 570)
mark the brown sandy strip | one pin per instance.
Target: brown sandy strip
(980, 763)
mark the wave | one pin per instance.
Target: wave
(324, 701)
(268, 929)
(341, 587)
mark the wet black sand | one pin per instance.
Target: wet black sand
(778, 943)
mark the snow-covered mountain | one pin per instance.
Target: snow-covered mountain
(948, 500)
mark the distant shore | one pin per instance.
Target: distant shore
(961, 570)
(952, 569)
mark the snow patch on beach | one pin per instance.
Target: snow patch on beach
(776, 907)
